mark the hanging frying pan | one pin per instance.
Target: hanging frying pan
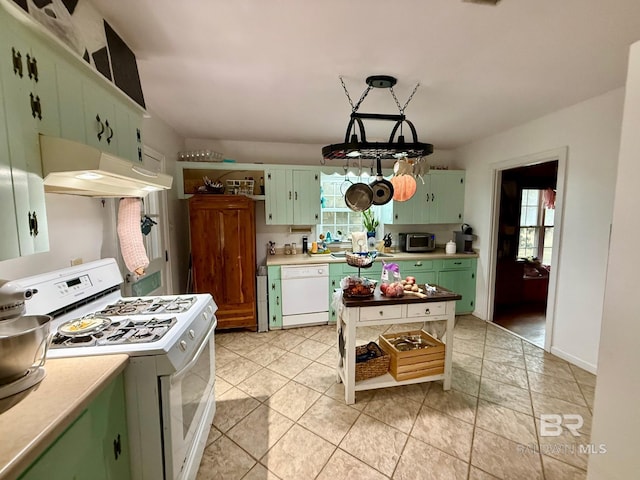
(382, 188)
(359, 196)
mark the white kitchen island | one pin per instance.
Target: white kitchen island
(381, 310)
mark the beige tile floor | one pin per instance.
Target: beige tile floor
(281, 414)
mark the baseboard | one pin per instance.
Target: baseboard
(574, 360)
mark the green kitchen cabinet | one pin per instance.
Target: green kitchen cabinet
(447, 187)
(100, 117)
(111, 124)
(109, 424)
(29, 92)
(459, 275)
(334, 282)
(292, 197)
(275, 297)
(72, 121)
(439, 198)
(97, 117)
(423, 270)
(129, 129)
(9, 247)
(417, 209)
(95, 446)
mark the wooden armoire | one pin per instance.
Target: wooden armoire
(223, 252)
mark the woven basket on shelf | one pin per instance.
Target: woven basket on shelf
(374, 367)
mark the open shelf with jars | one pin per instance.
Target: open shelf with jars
(229, 179)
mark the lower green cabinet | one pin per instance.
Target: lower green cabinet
(94, 447)
(456, 274)
(275, 297)
(110, 429)
(459, 275)
(423, 270)
(334, 282)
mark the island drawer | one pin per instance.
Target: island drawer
(426, 309)
(368, 314)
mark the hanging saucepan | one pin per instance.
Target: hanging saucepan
(382, 188)
(358, 196)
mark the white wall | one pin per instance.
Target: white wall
(76, 230)
(591, 131)
(616, 422)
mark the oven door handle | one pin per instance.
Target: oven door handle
(205, 343)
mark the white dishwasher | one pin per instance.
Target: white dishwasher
(305, 294)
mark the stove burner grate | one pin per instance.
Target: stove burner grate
(149, 306)
(124, 331)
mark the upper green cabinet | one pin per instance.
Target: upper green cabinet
(46, 90)
(30, 105)
(100, 117)
(447, 196)
(439, 198)
(292, 197)
(97, 117)
(414, 211)
(9, 246)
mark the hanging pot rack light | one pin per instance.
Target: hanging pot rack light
(359, 147)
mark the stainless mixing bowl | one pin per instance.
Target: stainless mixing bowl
(23, 343)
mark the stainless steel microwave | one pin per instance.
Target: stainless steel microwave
(417, 242)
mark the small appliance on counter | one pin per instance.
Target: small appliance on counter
(417, 242)
(464, 239)
(450, 247)
(24, 342)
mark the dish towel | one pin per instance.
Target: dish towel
(130, 235)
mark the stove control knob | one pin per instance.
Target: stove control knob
(204, 317)
(209, 309)
(192, 334)
(183, 345)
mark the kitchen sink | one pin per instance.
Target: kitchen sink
(344, 254)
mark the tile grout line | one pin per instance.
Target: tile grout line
(475, 418)
(533, 410)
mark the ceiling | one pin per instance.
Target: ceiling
(259, 70)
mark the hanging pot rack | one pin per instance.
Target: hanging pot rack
(359, 147)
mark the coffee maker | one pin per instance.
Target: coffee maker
(464, 239)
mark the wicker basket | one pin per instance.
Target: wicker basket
(374, 367)
(362, 260)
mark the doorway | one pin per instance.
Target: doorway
(157, 277)
(527, 223)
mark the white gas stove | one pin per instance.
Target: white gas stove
(170, 340)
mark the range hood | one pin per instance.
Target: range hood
(77, 169)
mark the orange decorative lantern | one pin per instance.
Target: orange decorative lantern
(404, 187)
